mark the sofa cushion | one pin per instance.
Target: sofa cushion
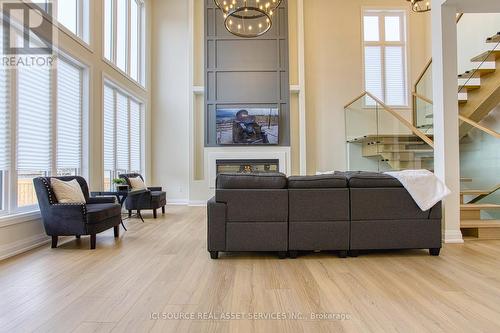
(362, 179)
(251, 181)
(319, 181)
(99, 212)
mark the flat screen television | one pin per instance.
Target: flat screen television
(247, 126)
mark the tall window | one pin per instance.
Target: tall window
(48, 132)
(122, 134)
(4, 134)
(124, 36)
(385, 55)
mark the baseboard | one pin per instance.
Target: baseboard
(197, 203)
(185, 202)
(23, 245)
(178, 202)
(453, 237)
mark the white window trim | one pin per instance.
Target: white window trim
(405, 43)
(141, 42)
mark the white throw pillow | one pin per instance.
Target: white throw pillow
(137, 184)
(67, 192)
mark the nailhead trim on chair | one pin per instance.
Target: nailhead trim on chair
(49, 190)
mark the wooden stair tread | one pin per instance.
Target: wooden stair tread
(480, 224)
(486, 55)
(406, 151)
(494, 38)
(374, 137)
(475, 192)
(479, 206)
(480, 192)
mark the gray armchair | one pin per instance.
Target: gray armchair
(90, 218)
(153, 198)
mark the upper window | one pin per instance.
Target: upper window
(72, 14)
(124, 36)
(385, 55)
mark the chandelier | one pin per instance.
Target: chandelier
(248, 18)
(418, 6)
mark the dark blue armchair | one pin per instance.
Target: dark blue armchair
(154, 198)
(90, 218)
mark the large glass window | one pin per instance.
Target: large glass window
(122, 134)
(4, 133)
(48, 133)
(385, 58)
(124, 36)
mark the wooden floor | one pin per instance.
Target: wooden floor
(162, 267)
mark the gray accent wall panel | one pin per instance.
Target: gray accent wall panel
(246, 73)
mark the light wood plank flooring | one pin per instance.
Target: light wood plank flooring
(162, 266)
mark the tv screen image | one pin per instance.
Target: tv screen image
(247, 126)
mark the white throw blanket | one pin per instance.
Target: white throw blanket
(424, 187)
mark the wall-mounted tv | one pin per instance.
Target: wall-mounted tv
(247, 126)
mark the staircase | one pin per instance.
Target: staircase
(479, 89)
(478, 94)
(396, 152)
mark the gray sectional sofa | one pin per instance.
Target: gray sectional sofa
(344, 212)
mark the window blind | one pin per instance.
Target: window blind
(34, 119)
(135, 136)
(373, 71)
(4, 120)
(395, 76)
(69, 116)
(109, 129)
(122, 132)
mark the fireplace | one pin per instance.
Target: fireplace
(247, 166)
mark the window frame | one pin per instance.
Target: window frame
(141, 41)
(381, 13)
(107, 82)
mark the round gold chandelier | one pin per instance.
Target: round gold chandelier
(420, 6)
(248, 18)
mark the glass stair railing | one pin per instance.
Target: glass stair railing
(380, 139)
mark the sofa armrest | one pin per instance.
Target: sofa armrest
(139, 200)
(216, 213)
(65, 219)
(101, 200)
(155, 188)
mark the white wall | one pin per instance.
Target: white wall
(25, 232)
(472, 31)
(170, 98)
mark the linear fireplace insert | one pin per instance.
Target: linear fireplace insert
(247, 166)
